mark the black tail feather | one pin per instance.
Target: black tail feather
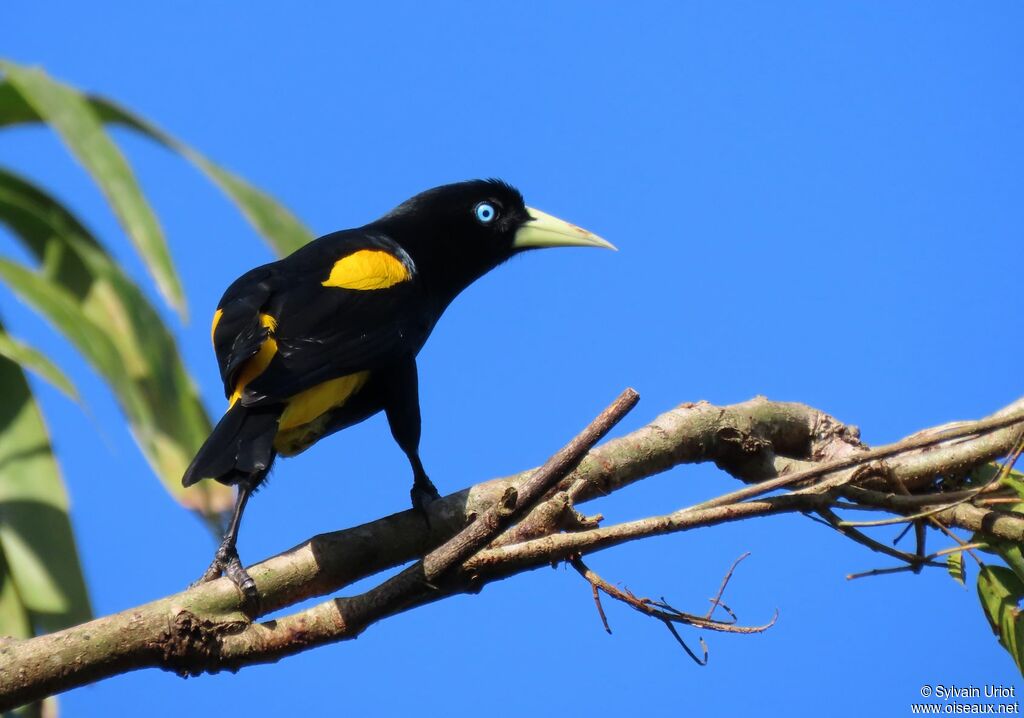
(239, 449)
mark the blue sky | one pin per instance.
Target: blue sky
(817, 202)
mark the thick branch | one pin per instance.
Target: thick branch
(757, 441)
(345, 618)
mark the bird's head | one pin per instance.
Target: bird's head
(461, 231)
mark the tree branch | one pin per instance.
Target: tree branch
(773, 445)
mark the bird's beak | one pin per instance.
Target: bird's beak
(543, 230)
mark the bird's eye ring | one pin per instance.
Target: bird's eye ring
(485, 213)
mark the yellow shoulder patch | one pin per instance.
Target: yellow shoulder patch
(216, 320)
(258, 364)
(367, 269)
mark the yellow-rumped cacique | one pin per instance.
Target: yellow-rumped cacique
(328, 336)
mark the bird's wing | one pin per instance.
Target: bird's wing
(348, 305)
(238, 332)
(337, 333)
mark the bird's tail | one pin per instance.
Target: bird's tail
(240, 447)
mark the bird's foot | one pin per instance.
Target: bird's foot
(423, 494)
(226, 562)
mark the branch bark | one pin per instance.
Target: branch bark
(774, 445)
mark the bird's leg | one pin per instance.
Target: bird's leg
(423, 491)
(402, 406)
(226, 560)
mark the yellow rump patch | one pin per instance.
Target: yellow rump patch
(216, 320)
(256, 366)
(367, 269)
(306, 406)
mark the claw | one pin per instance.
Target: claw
(243, 581)
(227, 563)
(212, 573)
(423, 494)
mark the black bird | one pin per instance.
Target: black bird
(328, 336)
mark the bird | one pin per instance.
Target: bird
(328, 336)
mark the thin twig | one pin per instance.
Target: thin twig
(920, 531)
(916, 500)
(963, 544)
(1012, 458)
(955, 549)
(903, 532)
(817, 519)
(600, 608)
(864, 540)
(661, 610)
(717, 600)
(882, 452)
(972, 493)
(879, 572)
(479, 533)
(664, 612)
(905, 519)
(703, 660)
(851, 506)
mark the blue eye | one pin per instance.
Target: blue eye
(485, 212)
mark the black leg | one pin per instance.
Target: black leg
(423, 491)
(226, 560)
(402, 407)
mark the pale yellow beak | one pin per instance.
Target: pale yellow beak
(547, 231)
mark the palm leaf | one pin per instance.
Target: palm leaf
(81, 129)
(41, 571)
(282, 230)
(36, 362)
(83, 292)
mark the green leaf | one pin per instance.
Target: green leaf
(63, 311)
(274, 221)
(14, 620)
(76, 263)
(1014, 481)
(43, 225)
(13, 108)
(986, 473)
(35, 361)
(36, 539)
(123, 339)
(69, 113)
(955, 566)
(1000, 591)
(1011, 553)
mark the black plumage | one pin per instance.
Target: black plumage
(328, 336)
